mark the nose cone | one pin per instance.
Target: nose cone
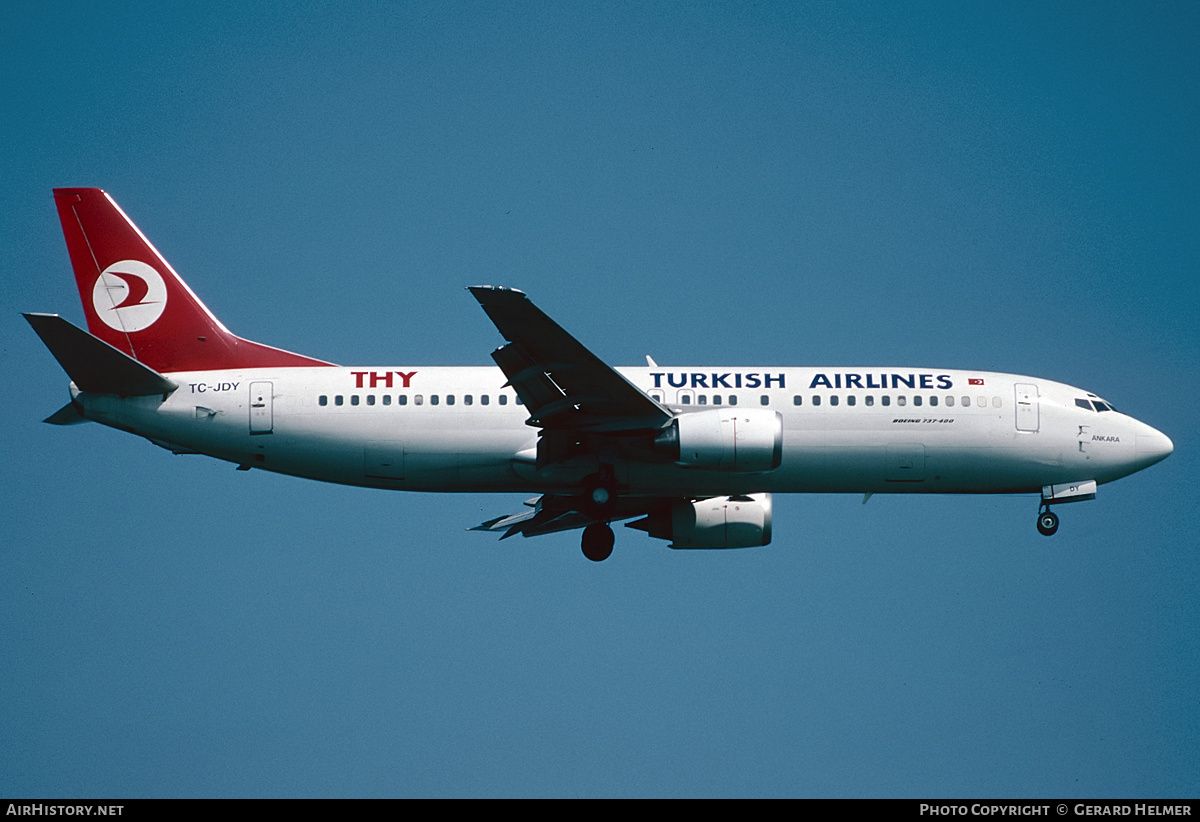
(1152, 446)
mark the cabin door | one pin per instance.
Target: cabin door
(262, 416)
(1027, 407)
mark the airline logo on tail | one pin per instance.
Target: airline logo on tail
(129, 296)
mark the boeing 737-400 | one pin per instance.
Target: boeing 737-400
(688, 454)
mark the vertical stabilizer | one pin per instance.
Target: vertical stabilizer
(135, 302)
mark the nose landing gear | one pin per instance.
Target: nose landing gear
(1078, 491)
(1047, 522)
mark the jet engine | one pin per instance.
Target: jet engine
(725, 439)
(718, 522)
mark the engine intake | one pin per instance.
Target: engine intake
(725, 439)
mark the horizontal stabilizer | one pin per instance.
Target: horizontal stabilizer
(94, 365)
(67, 415)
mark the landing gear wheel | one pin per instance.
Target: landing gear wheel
(599, 496)
(598, 541)
(1047, 522)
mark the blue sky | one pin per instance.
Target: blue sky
(998, 186)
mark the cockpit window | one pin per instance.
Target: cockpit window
(1084, 404)
(1101, 406)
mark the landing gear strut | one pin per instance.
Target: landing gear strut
(599, 502)
(1047, 521)
(598, 541)
(599, 494)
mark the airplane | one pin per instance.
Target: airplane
(689, 454)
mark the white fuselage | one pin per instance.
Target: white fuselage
(877, 430)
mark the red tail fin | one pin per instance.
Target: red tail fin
(136, 302)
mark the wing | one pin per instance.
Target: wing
(551, 513)
(578, 402)
(561, 382)
(545, 515)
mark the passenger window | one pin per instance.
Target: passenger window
(950, 402)
(901, 400)
(686, 399)
(701, 400)
(833, 400)
(434, 399)
(796, 400)
(324, 400)
(387, 399)
(468, 399)
(519, 400)
(402, 399)
(338, 400)
(917, 399)
(869, 400)
(851, 400)
(764, 400)
(483, 399)
(997, 402)
(418, 399)
(354, 399)
(716, 399)
(933, 400)
(981, 402)
(449, 399)
(816, 399)
(504, 399)
(886, 399)
(370, 399)
(732, 399)
(966, 401)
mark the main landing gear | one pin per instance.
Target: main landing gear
(598, 541)
(599, 502)
(1047, 521)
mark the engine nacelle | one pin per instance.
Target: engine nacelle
(726, 439)
(719, 522)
